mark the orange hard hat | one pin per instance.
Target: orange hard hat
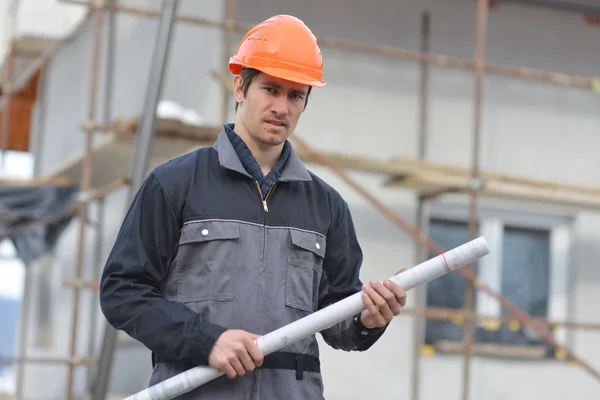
(284, 47)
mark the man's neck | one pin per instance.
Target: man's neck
(266, 156)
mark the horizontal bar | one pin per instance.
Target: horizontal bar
(464, 315)
(77, 360)
(395, 52)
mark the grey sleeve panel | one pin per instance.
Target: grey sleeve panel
(130, 291)
(341, 278)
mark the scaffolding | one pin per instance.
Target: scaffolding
(140, 136)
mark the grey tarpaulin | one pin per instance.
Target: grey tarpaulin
(22, 205)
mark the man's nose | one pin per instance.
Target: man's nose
(280, 104)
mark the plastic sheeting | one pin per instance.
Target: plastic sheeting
(22, 205)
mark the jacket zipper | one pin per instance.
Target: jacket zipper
(265, 198)
(266, 210)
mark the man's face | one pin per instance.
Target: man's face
(271, 108)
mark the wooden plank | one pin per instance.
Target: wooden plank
(456, 170)
(31, 44)
(208, 134)
(501, 190)
(492, 349)
(112, 159)
(26, 48)
(58, 181)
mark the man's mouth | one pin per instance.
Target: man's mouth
(276, 122)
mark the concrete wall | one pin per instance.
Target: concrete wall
(377, 98)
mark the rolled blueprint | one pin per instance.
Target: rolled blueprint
(325, 318)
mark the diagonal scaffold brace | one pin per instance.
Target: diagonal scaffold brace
(420, 274)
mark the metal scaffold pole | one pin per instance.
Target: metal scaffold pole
(85, 188)
(143, 144)
(419, 292)
(98, 246)
(479, 72)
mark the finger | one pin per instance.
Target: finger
(370, 305)
(229, 370)
(247, 361)
(384, 299)
(255, 353)
(399, 295)
(237, 366)
(389, 291)
(399, 292)
(374, 309)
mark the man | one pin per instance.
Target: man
(231, 242)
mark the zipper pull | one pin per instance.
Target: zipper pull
(264, 199)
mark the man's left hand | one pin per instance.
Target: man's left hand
(383, 302)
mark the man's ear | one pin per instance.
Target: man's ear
(238, 92)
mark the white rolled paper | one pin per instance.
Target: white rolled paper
(325, 318)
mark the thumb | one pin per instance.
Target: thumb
(254, 336)
(401, 270)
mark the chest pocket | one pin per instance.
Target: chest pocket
(304, 269)
(206, 261)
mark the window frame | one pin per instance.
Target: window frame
(492, 219)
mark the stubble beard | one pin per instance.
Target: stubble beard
(269, 139)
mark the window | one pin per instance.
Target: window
(527, 264)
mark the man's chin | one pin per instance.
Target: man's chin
(271, 139)
(273, 142)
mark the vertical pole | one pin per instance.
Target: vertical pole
(145, 134)
(85, 186)
(8, 86)
(24, 332)
(98, 246)
(110, 61)
(482, 9)
(144, 143)
(95, 276)
(6, 112)
(230, 12)
(419, 295)
(40, 120)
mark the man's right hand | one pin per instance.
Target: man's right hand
(236, 353)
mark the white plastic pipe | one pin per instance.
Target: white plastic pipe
(325, 318)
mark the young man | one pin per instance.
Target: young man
(231, 242)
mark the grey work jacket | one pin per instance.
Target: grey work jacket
(201, 250)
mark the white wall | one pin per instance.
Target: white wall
(377, 98)
(45, 18)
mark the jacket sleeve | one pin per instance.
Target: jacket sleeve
(341, 270)
(130, 295)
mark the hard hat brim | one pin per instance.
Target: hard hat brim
(288, 75)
